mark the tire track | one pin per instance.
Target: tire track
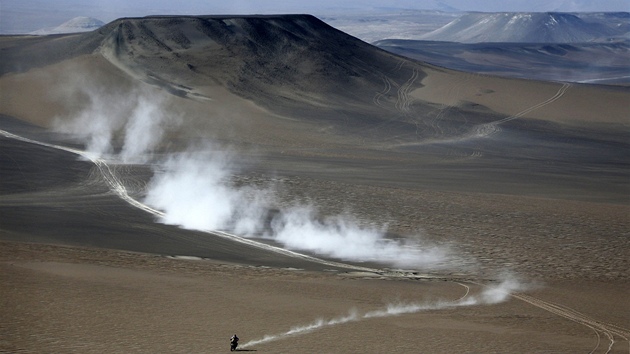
(118, 188)
(452, 94)
(461, 298)
(599, 327)
(488, 129)
(404, 101)
(388, 87)
(554, 98)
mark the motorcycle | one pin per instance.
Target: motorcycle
(233, 345)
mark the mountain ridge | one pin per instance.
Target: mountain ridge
(596, 62)
(296, 57)
(530, 27)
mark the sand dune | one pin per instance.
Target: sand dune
(495, 176)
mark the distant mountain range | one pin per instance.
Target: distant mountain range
(579, 47)
(594, 62)
(75, 25)
(533, 27)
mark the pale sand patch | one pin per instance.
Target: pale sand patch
(578, 104)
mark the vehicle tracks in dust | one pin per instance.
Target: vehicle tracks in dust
(452, 96)
(487, 129)
(599, 327)
(403, 100)
(379, 95)
(118, 188)
(607, 329)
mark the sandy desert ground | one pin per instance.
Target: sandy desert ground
(522, 187)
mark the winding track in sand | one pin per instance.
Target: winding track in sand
(607, 329)
(119, 189)
(379, 95)
(404, 101)
(487, 129)
(452, 95)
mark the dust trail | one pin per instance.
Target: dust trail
(139, 116)
(352, 316)
(193, 190)
(491, 294)
(119, 189)
(487, 129)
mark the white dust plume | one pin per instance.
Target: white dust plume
(491, 294)
(101, 113)
(352, 316)
(342, 236)
(145, 127)
(507, 284)
(137, 116)
(194, 191)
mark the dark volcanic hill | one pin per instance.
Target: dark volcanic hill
(275, 60)
(287, 64)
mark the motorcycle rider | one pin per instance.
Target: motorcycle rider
(234, 339)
